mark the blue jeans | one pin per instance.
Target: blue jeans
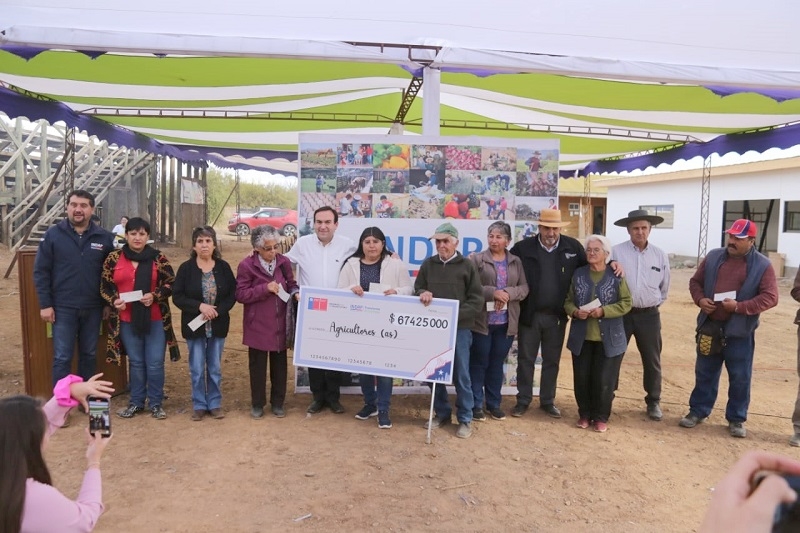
(83, 324)
(738, 358)
(486, 360)
(146, 360)
(205, 356)
(464, 400)
(383, 395)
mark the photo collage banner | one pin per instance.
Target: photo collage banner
(408, 185)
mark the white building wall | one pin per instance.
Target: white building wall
(781, 184)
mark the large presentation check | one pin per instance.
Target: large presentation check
(393, 336)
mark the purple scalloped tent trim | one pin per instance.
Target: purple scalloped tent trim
(289, 155)
(14, 105)
(29, 52)
(779, 95)
(758, 141)
(25, 52)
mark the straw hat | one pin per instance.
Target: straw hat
(551, 218)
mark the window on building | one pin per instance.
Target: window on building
(791, 216)
(574, 209)
(665, 211)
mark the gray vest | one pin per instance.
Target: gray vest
(612, 330)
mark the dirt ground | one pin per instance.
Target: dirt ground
(332, 472)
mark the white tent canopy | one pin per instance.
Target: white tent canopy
(727, 42)
(606, 78)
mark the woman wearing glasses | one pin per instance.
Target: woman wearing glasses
(596, 301)
(264, 283)
(205, 287)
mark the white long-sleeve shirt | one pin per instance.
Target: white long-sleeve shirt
(646, 272)
(319, 264)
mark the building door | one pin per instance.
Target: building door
(598, 220)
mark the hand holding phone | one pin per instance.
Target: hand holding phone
(744, 500)
(787, 515)
(99, 416)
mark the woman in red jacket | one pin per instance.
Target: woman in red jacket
(263, 280)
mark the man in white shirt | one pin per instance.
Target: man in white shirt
(319, 258)
(119, 229)
(647, 273)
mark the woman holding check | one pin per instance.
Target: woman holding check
(371, 264)
(140, 326)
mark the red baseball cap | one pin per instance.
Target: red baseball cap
(743, 228)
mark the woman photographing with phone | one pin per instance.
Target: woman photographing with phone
(28, 500)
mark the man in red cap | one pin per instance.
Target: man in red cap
(732, 287)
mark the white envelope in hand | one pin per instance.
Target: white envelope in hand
(196, 322)
(594, 304)
(379, 288)
(718, 297)
(282, 294)
(133, 296)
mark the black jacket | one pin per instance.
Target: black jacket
(570, 255)
(67, 268)
(187, 294)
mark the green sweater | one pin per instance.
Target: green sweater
(456, 279)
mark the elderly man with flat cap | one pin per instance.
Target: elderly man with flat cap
(647, 273)
(732, 287)
(548, 259)
(448, 274)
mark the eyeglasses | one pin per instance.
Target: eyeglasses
(595, 251)
(275, 247)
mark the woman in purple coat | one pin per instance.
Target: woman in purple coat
(263, 277)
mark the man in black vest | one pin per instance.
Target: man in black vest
(549, 259)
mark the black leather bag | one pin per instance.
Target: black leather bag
(710, 337)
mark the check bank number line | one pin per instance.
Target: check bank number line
(377, 345)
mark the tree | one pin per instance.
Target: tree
(251, 195)
(218, 187)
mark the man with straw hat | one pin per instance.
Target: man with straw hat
(548, 259)
(648, 280)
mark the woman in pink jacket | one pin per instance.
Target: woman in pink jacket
(28, 500)
(259, 281)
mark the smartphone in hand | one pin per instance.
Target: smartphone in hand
(787, 515)
(99, 416)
